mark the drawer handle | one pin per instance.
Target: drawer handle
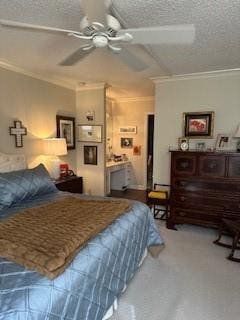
(182, 198)
(183, 183)
(182, 214)
(212, 165)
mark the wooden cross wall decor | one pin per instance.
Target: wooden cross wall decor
(18, 131)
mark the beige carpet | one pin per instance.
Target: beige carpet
(191, 280)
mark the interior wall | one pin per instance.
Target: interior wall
(109, 128)
(133, 112)
(35, 103)
(93, 175)
(219, 93)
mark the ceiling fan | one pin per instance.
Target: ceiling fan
(101, 30)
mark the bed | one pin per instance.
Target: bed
(99, 273)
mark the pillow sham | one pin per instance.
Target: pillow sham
(17, 186)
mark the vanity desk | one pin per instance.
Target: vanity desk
(118, 175)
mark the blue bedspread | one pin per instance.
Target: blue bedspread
(93, 280)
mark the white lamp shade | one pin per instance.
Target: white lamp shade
(55, 146)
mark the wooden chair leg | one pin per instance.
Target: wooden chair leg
(234, 247)
(220, 233)
(164, 215)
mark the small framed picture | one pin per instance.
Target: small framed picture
(198, 124)
(90, 116)
(223, 142)
(90, 133)
(126, 143)
(128, 129)
(66, 129)
(136, 150)
(90, 155)
(200, 146)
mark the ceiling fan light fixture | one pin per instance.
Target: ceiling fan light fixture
(100, 41)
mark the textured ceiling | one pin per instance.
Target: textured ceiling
(217, 45)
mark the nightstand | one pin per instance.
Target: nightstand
(71, 184)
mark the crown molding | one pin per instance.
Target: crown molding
(197, 75)
(135, 99)
(53, 80)
(91, 86)
(73, 85)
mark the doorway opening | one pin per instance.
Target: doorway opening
(150, 138)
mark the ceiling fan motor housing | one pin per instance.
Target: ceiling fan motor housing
(88, 28)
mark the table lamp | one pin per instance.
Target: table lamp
(236, 135)
(55, 147)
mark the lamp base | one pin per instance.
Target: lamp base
(54, 168)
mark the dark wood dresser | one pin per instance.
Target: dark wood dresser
(71, 184)
(205, 187)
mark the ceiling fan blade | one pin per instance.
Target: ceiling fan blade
(131, 60)
(174, 34)
(37, 28)
(78, 55)
(96, 11)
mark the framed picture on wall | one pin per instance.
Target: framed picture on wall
(90, 116)
(90, 133)
(198, 124)
(137, 150)
(90, 155)
(126, 143)
(128, 129)
(66, 129)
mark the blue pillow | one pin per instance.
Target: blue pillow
(17, 186)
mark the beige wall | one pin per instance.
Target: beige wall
(93, 175)
(109, 128)
(133, 112)
(214, 93)
(36, 104)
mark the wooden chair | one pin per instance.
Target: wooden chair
(158, 199)
(233, 227)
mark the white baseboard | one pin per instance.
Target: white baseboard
(136, 187)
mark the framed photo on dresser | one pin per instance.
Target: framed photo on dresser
(224, 142)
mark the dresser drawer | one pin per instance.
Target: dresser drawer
(191, 200)
(212, 165)
(180, 215)
(184, 164)
(234, 167)
(211, 185)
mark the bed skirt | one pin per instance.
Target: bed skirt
(114, 307)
